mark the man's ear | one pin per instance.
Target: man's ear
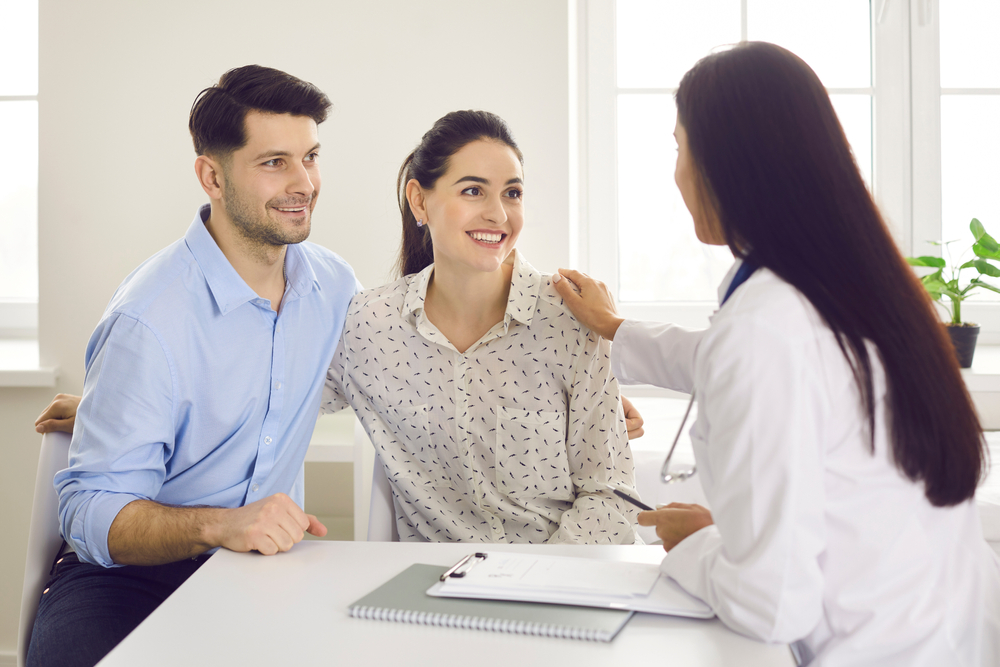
(210, 176)
(415, 198)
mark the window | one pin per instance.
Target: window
(19, 168)
(927, 143)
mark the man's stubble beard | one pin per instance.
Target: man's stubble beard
(256, 227)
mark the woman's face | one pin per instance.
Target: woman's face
(706, 223)
(475, 211)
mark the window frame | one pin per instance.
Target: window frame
(906, 145)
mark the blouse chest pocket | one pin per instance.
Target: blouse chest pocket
(531, 459)
(408, 453)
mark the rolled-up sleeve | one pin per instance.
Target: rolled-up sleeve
(123, 437)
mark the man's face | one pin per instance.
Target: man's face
(271, 184)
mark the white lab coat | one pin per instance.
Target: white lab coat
(815, 539)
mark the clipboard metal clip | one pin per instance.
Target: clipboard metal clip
(459, 569)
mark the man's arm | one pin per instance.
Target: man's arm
(148, 533)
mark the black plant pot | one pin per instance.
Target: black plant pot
(963, 338)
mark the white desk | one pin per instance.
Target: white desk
(291, 609)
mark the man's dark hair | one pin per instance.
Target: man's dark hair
(218, 115)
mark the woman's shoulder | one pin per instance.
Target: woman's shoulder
(376, 299)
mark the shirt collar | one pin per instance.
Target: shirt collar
(230, 290)
(728, 278)
(525, 282)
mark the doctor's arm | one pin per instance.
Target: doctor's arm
(760, 403)
(643, 352)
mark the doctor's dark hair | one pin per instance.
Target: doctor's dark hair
(776, 167)
(218, 115)
(428, 162)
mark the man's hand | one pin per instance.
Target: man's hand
(269, 525)
(148, 533)
(590, 302)
(633, 420)
(59, 416)
(676, 521)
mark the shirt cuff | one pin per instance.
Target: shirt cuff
(684, 563)
(89, 533)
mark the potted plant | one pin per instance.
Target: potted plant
(944, 281)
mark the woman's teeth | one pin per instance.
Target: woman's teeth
(486, 238)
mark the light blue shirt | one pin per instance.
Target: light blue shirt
(196, 392)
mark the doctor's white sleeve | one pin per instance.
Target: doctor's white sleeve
(656, 354)
(758, 442)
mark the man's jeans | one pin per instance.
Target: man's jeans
(87, 609)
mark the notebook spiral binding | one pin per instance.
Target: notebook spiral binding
(475, 623)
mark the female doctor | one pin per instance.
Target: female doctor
(835, 440)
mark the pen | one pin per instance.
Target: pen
(624, 496)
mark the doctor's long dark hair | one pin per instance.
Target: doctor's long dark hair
(776, 166)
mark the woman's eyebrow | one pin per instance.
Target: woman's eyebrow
(484, 181)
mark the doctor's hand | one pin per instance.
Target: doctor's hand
(590, 302)
(633, 420)
(676, 521)
(59, 416)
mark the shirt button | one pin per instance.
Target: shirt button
(267, 440)
(277, 329)
(277, 385)
(255, 488)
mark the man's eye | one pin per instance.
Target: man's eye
(273, 163)
(312, 157)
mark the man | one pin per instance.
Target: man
(203, 377)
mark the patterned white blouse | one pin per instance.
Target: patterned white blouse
(512, 441)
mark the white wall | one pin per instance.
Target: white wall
(117, 79)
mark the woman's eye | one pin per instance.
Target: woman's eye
(515, 193)
(474, 191)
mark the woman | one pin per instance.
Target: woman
(835, 440)
(493, 411)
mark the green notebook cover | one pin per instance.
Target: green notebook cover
(404, 599)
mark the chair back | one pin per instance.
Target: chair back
(381, 512)
(44, 540)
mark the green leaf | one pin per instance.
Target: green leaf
(988, 242)
(977, 228)
(968, 265)
(984, 252)
(980, 283)
(926, 260)
(985, 268)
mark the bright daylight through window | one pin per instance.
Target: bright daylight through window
(19, 168)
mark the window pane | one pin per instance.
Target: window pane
(833, 37)
(970, 170)
(19, 200)
(19, 47)
(855, 114)
(659, 40)
(970, 52)
(660, 258)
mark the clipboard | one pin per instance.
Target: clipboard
(568, 581)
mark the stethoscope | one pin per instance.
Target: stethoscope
(681, 474)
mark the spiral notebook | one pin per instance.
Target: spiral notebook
(404, 599)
